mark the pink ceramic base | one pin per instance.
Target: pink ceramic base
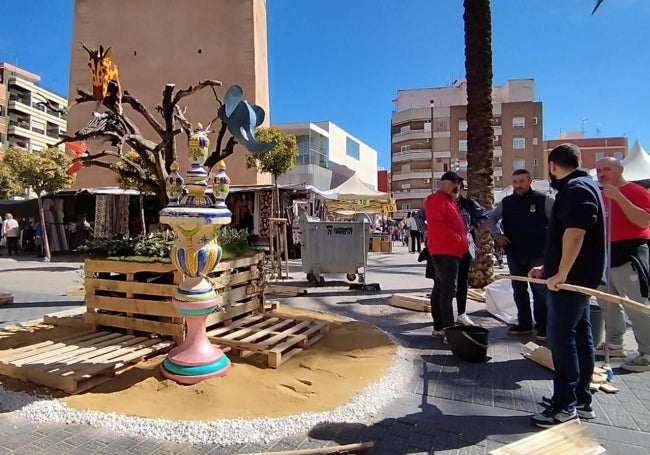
(188, 380)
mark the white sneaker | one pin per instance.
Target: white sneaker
(637, 363)
(463, 319)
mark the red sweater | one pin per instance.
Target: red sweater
(622, 228)
(445, 230)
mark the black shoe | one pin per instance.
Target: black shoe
(585, 411)
(552, 416)
(520, 330)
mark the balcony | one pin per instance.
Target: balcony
(412, 155)
(413, 193)
(418, 135)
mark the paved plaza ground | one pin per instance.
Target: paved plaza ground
(450, 406)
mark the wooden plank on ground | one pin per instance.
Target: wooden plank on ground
(411, 302)
(476, 294)
(67, 318)
(570, 438)
(6, 298)
(284, 290)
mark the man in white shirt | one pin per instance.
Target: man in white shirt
(11, 230)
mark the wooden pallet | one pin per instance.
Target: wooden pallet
(77, 363)
(411, 302)
(68, 318)
(570, 438)
(277, 337)
(283, 290)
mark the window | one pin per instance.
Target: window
(462, 145)
(406, 186)
(405, 129)
(405, 207)
(462, 125)
(405, 148)
(352, 148)
(600, 156)
(618, 155)
(427, 127)
(498, 131)
(518, 142)
(519, 122)
(519, 163)
(535, 141)
(533, 121)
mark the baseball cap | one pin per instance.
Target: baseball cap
(451, 175)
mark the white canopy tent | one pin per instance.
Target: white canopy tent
(351, 190)
(636, 165)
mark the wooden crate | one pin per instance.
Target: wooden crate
(137, 296)
(277, 337)
(77, 363)
(386, 246)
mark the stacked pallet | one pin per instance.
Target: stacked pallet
(411, 302)
(137, 296)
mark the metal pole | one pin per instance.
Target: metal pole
(433, 180)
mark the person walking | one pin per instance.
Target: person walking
(575, 254)
(11, 231)
(473, 215)
(415, 245)
(628, 210)
(447, 244)
(524, 217)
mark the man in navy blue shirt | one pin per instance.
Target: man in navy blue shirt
(575, 254)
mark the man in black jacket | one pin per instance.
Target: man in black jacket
(575, 254)
(524, 216)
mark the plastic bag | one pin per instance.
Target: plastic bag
(500, 303)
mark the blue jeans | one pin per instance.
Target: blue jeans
(521, 267)
(444, 290)
(572, 347)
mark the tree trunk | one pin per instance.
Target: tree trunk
(142, 219)
(46, 241)
(478, 67)
(276, 196)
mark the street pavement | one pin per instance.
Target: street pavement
(450, 406)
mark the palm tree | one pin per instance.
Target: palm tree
(478, 68)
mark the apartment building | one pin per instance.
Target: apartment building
(429, 137)
(592, 149)
(328, 155)
(26, 120)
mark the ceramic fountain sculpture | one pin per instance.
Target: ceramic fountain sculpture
(196, 217)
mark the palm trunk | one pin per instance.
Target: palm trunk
(46, 241)
(478, 67)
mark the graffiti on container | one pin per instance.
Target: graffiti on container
(338, 230)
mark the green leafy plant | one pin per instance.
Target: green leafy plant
(156, 247)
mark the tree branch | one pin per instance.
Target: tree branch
(195, 88)
(144, 112)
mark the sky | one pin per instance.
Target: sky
(345, 60)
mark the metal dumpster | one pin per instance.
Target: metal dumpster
(334, 247)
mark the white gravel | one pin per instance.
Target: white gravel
(224, 431)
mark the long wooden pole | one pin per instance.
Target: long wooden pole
(324, 450)
(617, 299)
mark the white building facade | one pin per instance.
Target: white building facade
(328, 155)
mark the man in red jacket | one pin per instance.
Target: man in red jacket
(447, 244)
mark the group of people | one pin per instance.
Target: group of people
(20, 235)
(560, 240)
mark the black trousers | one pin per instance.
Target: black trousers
(444, 290)
(12, 245)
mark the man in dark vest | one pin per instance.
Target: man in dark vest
(524, 216)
